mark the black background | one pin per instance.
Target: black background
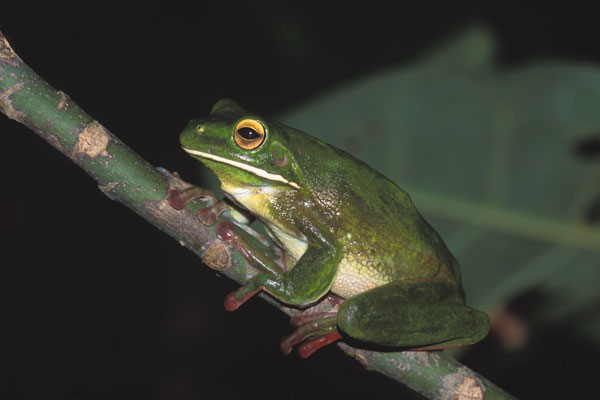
(97, 304)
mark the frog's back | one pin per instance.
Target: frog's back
(383, 236)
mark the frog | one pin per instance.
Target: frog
(348, 235)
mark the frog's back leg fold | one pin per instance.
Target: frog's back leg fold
(416, 315)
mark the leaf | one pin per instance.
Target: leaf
(503, 162)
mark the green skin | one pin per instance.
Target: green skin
(345, 229)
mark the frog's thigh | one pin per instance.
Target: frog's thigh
(411, 315)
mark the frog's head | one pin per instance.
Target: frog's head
(242, 149)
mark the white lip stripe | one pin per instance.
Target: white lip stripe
(245, 167)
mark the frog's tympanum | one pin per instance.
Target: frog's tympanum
(345, 229)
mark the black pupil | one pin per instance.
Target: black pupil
(248, 133)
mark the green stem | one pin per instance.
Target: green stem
(127, 178)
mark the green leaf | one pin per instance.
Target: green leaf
(500, 160)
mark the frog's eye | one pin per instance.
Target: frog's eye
(249, 134)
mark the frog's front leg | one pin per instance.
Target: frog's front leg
(178, 198)
(412, 314)
(308, 280)
(182, 192)
(305, 283)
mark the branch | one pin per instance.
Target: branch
(127, 178)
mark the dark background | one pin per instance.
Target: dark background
(97, 304)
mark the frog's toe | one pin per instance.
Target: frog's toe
(287, 343)
(319, 330)
(305, 350)
(176, 199)
(232, 303)
(207, 216)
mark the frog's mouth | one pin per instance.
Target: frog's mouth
(253, 170)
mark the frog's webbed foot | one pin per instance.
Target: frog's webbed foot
(178, 198)
(319, 330)
(316, 327)
(235, 299)
(225, 231)
(305, 350)
(182, 192)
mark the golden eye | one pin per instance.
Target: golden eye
(249, 134)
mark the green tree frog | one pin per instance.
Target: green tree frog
(345, 229)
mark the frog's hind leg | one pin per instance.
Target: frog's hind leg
(413, 315)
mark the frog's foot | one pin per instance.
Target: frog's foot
(232, 303)
(318, 330)
(226, 232)
(305, 350)
(236, 298)
(178, 198)
(181, 192)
